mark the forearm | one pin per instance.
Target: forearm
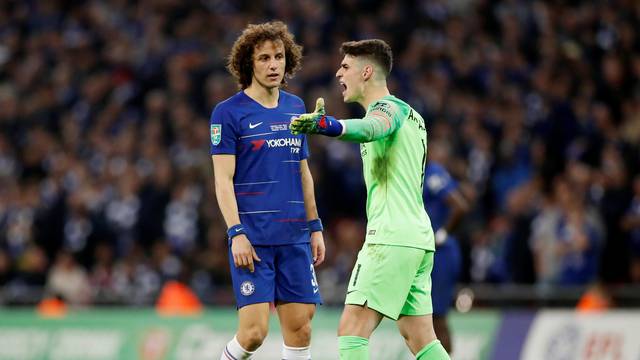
(227, 201)
(367, 129)
(459, 206)
(308, 193)
(454, 219)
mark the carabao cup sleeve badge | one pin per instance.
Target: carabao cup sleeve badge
(216, 133)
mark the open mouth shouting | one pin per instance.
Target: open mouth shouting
(343, 86)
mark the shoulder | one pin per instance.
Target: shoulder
(384, 104)
(384, 108)
(391, 106)
(437, 178)
(288, 95)
(291, 99)
(396, 102)
(230, 103)
(435, 168)
(230, 107)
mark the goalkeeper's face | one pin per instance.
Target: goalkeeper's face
(351, 78)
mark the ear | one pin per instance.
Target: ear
(367, 72)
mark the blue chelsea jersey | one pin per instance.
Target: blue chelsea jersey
(267, 180)
(437, 185)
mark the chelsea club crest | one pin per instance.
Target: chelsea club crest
(247, 288)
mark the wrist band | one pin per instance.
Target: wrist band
(235, 230)
(441, 236)
(315, 225)
(329, 126)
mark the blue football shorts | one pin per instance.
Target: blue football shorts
(444, 276)
(285, 274)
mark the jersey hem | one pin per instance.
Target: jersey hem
(426, 248)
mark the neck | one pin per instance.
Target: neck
(373, 94)
(267, 97)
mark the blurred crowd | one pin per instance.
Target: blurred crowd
(106, 186)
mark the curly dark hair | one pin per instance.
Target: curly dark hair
(240, 62)
(376, 49)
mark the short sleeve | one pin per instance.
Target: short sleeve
(223, 133)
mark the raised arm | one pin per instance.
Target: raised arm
(380, 121)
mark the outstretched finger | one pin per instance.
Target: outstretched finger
(255, 255)
(321, 254)
(319, 105)
(314, 252)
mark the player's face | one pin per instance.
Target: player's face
(269, 64)
(350, 77)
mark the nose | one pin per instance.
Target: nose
(338, 74)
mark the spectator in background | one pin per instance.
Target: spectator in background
(68, 280)
(5, 268)
(578, 248)
(613, 181)
(102, 273)
(445, 206)
(543, 239)
(631, 225)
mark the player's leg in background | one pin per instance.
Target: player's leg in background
(356, 326)
(253, 324)
(441, 327)
(295, 322)
(446, 270)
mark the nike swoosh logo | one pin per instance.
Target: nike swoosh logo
(253, 126)
(239, 229)
(349, 292)
(315, 290)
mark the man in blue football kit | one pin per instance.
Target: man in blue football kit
(445, 205)
(265, 192)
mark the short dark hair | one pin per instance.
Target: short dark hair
(240, 62)
(375, 49)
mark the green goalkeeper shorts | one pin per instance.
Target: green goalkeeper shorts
(393, 280)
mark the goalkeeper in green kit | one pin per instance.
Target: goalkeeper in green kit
(392, 276)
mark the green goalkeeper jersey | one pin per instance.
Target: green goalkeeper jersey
(393, 147)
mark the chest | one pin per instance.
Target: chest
(263, 133)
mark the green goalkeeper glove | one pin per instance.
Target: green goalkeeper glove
(316, 122)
